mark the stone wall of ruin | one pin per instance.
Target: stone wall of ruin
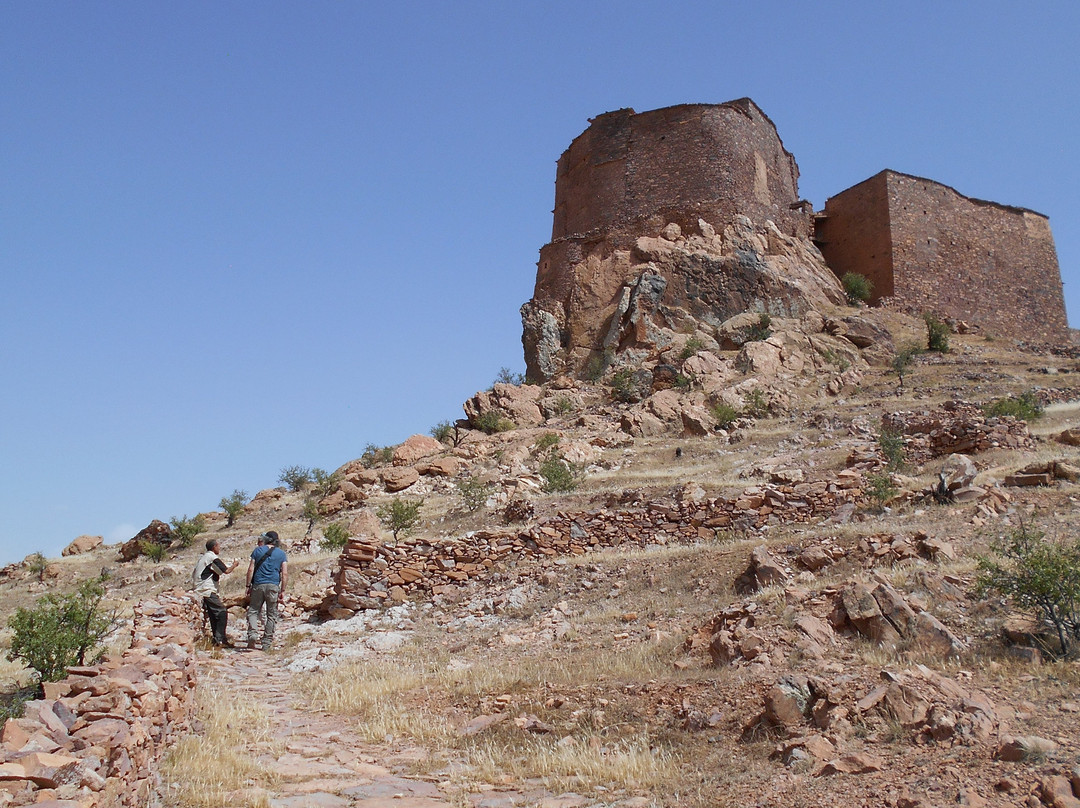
(632, 173)
(853, 234)
(964, 258)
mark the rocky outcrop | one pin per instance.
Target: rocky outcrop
(157, 532)
(632, 302)
(82, 544)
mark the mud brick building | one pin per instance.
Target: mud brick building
(930, 248)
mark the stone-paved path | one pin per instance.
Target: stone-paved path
(325, 764)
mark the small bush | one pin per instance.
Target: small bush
(295, 477)
(724, 413)
(400, 516)
(324, 483)
(36, 564)
(60, 630)
(493, 421)
(559, 475)
(880, 488)
(693, 345)
(761, 330)
(858, 288)
(474, 492)
(937, 334)
(312, 512)
(1025, 406)
(335, 536)
(623, 387)
(444, 432)
(597, 366)
(375, 456)
(755, 404)
(1039, 577)
(233, 505)
(563, 405)
(507, 376)
(891, 444)
(903, 359)
(152, 550)
(546, 441)
(185, 530)
(684, 383)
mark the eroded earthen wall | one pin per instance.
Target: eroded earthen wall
(853, 234)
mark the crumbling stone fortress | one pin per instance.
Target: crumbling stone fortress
(693, 212)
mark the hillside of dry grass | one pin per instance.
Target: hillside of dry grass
(591, 674)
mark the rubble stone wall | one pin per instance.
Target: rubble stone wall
(95, 740)
(371, 574)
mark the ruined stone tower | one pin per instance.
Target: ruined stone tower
(695, 170)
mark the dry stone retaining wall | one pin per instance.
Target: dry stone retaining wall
(370, 573)
(95, 739)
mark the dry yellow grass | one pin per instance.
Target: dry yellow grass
(220, 766)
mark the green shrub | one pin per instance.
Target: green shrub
(474, 492)
(755, 404)
(693, 345)
(185, 530)
(444, 432)
(295, 477)
(684, 383)
(233, 505)
(375, 456)
(152, 550)
(334, 536)
(623, 387)
(937, 334)
(559, 475)
(546, 441)
(903, 359)
(13, 703)
(493, 421)
(563, 405)
(724, 413)
(324, 483)
(507, 376)
(891, 444)
(312, 512)
(1025, 406)
(858, 288)
(880, 488)
(400, 516)
(36, 564)
(761, 330)
(597, 366)
(1038, 576)
(60, 630)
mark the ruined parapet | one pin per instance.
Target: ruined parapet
(930, 248)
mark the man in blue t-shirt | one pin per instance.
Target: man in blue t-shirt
(267, 575)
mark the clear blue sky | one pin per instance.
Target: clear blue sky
(237, 236)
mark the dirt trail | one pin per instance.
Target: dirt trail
(324, 764)
(321, 762)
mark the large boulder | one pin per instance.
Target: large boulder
(82, 544)
(517, 403)
(416, 448)
(157, 532)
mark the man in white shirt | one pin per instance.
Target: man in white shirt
(204, 580)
